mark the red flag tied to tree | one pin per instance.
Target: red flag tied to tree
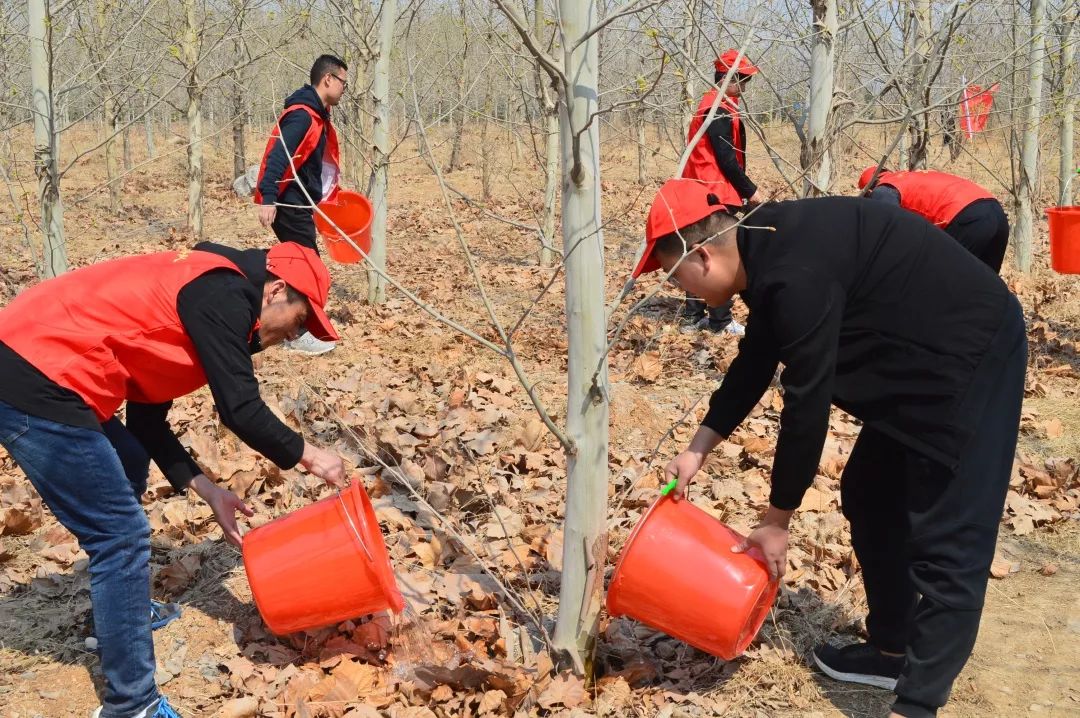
(975, 108)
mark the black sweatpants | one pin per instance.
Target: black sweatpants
(983, 229)
(924, 534)
(295, 224)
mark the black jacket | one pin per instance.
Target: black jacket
(870, 308)
(294, 125)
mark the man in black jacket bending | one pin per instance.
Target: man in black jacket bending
(875, 310)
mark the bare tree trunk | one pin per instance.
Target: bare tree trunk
(112, 162)
(45, 150)
(585, 542)
(642, 155)
(458, 128)
(817, 156)
(190, 52)
(148, 126)
(380, 175)
(549, 117)
(129, 162)
(239, 109)
(1068, 101)
(918, 88)
(1024, 231)
(486, 151)
(689, 53)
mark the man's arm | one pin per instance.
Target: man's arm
(218, 312)
(746, 380)
(294, 126)
(722, 138)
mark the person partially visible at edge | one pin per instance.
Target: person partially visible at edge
(146, 330)
(304, 133)
(968, 213)
(719, 159)
(874, 310)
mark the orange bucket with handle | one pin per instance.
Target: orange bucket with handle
(321, 565)
(677, 574)
(1064, 238)
(351, 212)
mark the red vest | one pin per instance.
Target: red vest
(331, 155)
(702, 165)
(110, 331)
(937, 196)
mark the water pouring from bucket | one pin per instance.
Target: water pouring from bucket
(321, 565)
(677, 574)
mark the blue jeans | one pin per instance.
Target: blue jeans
(80, 476)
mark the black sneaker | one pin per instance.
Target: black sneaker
(859, 663)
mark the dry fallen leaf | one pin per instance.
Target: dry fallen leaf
(245, 707)
(566, 690)
(176, 577)
(647, 367)
(1054, 428)
(1048, 569)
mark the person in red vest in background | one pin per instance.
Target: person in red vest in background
(967, 212)
(304, 133)
(719, 159)
(146, 330)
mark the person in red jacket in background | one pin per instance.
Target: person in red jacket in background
(146, 330)
(967, 212)
(719, 159)
(304, 133)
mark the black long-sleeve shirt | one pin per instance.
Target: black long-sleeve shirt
(218, 311)
(868, 307)
(721, 136)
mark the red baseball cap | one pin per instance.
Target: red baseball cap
(725, 61)
(301, 268)
(864, 178)
(678, 204)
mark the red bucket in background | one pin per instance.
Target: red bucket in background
(351, 212)
(1064, 225)
(320, 565)
(677, 574)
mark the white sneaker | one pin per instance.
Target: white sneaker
(735, 328)
(308, 344)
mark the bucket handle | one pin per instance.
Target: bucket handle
(356, 533)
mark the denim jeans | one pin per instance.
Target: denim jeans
(82, 480)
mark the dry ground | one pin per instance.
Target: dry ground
(449, 415)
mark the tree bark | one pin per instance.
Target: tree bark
(1068, 101)
(190, 52)
(585, 532)
(919, 87)
(380, 176)
(549, 118)
(45, 149)
(1024, 231)
(458, 128)
(817, 155)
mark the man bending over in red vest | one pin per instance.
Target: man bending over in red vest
(719, 160)
(967, 212)
(146, 330)
(304, 132)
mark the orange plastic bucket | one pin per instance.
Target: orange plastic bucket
(1064, 239)
(321, 565)
(351, 212)
(677, 574)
